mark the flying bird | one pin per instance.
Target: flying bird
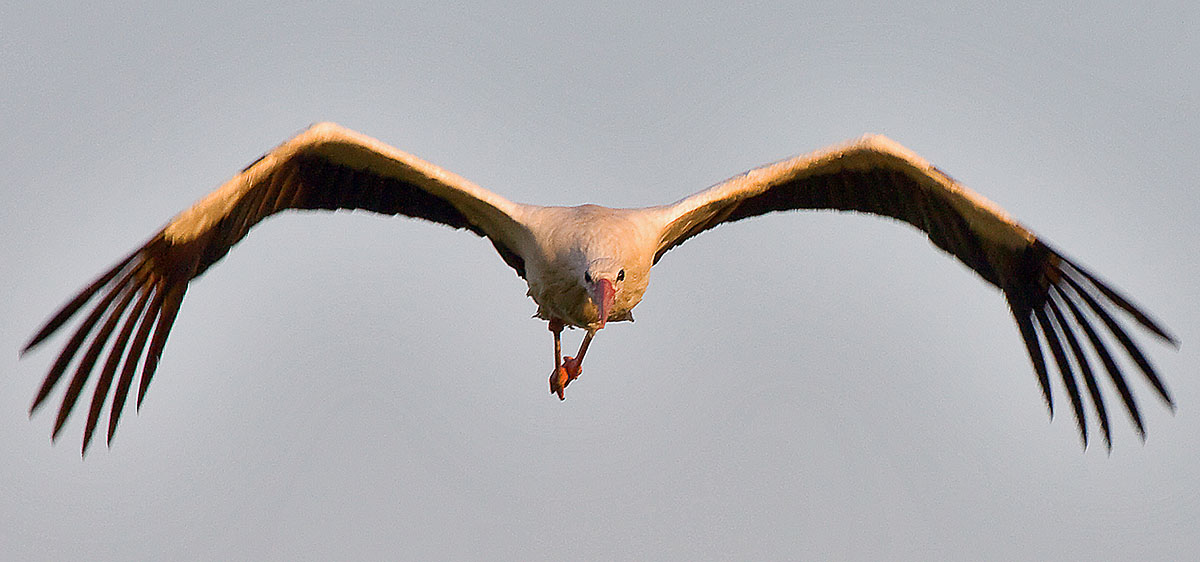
(589, 265)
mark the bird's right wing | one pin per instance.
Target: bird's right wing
(325, 167)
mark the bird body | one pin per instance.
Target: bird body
(588, 265)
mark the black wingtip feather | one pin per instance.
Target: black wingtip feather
(104, 382)
(1050, 331)
(1123, 337)
(1110, 364)
(131, 361)
(73, 345)
(84, 370)
(1029, 334)
(68, 310)
(1116, 298)
(166, 318)
(1081, 361)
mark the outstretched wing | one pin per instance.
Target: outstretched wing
(1048, 294)
(325, 167)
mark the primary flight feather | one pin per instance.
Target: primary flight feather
(589, 265)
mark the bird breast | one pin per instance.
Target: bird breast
(570, 238)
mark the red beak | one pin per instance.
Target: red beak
(603, 295)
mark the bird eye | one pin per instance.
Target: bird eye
(621, 275)
(587, 276)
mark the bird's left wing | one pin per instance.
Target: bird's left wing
(325, 167)
(1047, 292)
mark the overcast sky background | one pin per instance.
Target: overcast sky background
(800, 386)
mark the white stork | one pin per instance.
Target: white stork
(589, 265)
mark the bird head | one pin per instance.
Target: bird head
(602, 279)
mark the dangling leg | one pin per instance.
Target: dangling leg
(558, 378)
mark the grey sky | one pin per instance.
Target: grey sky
(801, 386)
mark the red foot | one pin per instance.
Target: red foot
(562, 376)
(558, 382)
(573, 368)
